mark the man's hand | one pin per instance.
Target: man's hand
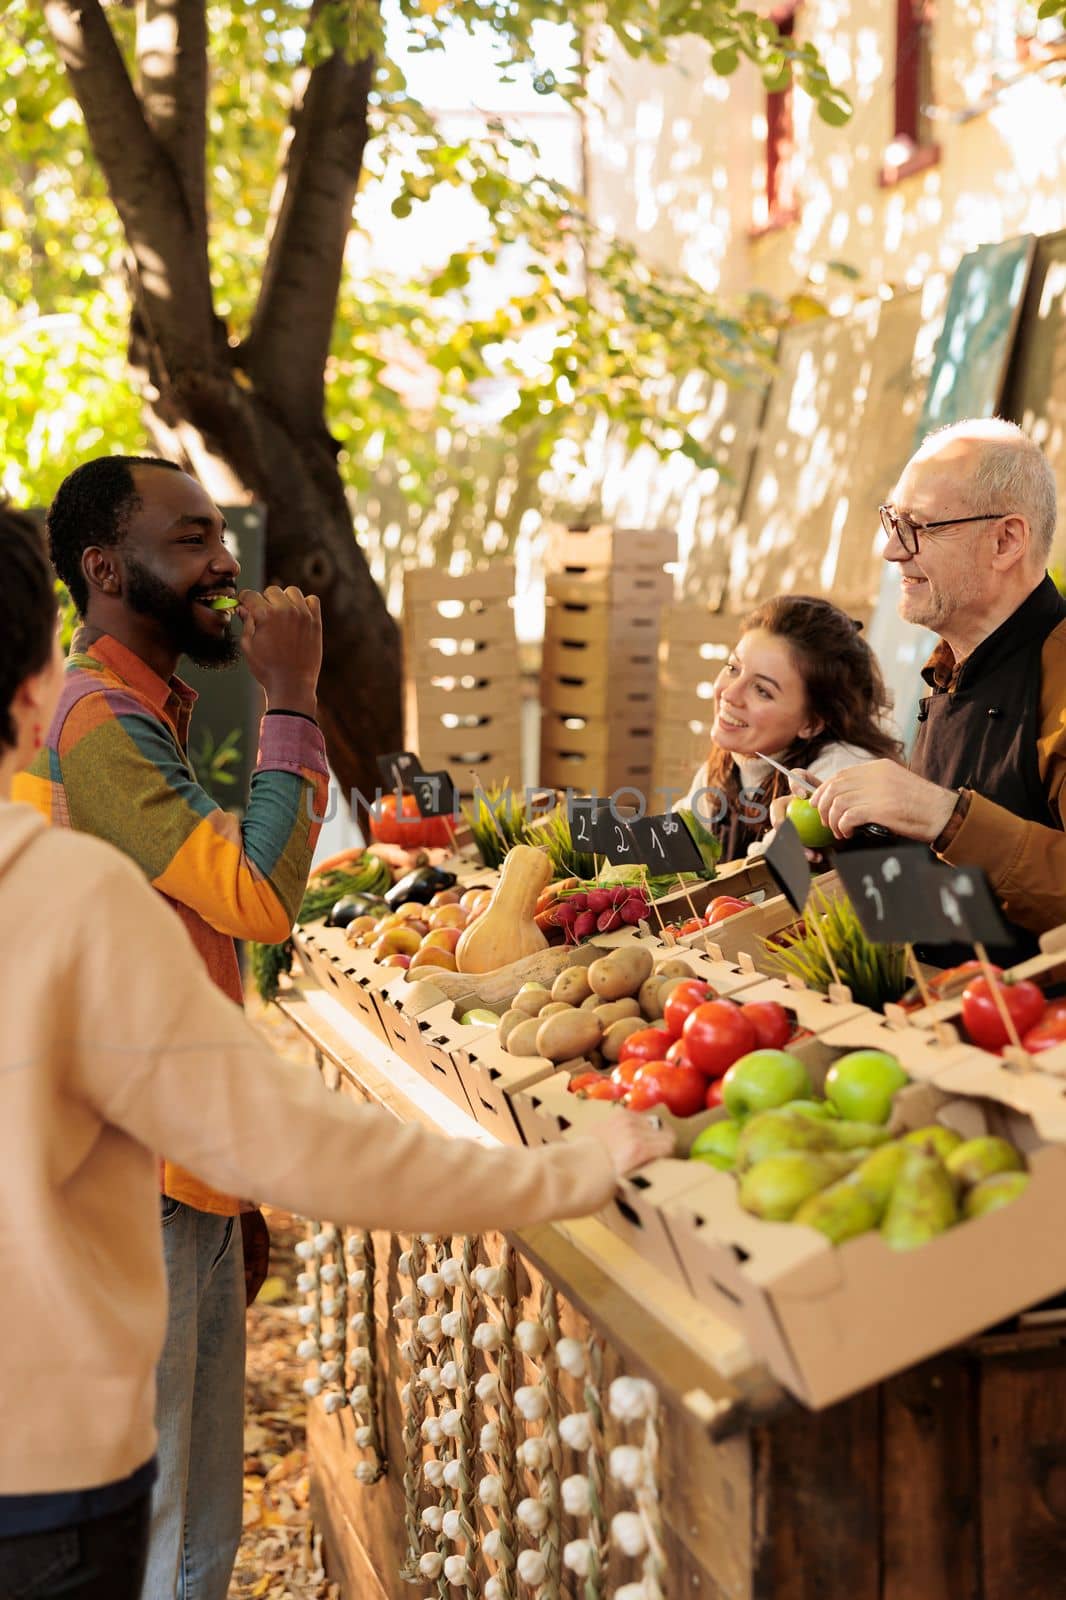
(884, 792)
(282, 644)
(631, 1141)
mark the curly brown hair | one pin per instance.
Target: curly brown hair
(844, 689)
(27, 611)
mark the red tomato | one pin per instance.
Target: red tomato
(690, 993)
(693, 925)
(605, 1090)
(676, 1055)
(980, 1014)
(772, 1024)
(647, 1044)
(725, 905)
(714, 1094)
(682, 1088)
(716, 1035)
(1049, 1032)
(626, 1071)
(646, 1093)
(584, 1081)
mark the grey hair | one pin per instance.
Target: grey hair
(1012, 473)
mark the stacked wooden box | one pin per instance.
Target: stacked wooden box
(605, 591)
(694, 644)
(463, 689)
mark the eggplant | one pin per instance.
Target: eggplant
(420, 886)
(350, 906)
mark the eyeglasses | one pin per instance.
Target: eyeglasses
(907, 530)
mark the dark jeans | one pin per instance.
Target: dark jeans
(102, 1559)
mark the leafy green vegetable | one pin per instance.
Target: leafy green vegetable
(269, 961)
(876, 974)
(501, 802)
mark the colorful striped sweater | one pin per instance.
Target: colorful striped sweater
(115, 764)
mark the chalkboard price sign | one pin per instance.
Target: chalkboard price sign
(664, 844)
(788, 864)
(611, 837)
(905, 896)
(579, 813)
(398, 768)
(434, 794)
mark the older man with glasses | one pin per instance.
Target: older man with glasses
(970, 525)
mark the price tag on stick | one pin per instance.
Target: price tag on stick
(434, 794)
(579, 810)
(664, 844)
(903, 895)
(398, 767)
(611, 837)
(789, 867)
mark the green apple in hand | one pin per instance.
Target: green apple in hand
(717, 1144)
(808, 824)
(763, 1080)
(863, 1083)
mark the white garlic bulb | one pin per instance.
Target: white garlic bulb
(330, 1272)
(364, 1437)
(451, 1271)
(493, 1589)
(359, 1323)
(331, 1306)
(431, 1564)
(428, 1238)
(360, 1358)
(311, 1387)
(488, 1336)
(334, 1402)
(576, 1430)
(305, 1282)
(490, 1280)
(638, 1591)
(489, 1438)
(452, 1526)
(432, 1432)
(355, 1245)
(577, 1557)
(451, 1324)
(531, 1337)
(492, 1544)
(626, 1465)
(367, 1471)
(451, 1424)
(327, 1341)
(359, 1397)
(322, 1241)
(487, 1388)
(532, 1514)
(627, 1532)
(430, 1376)
(455, 1569)
(406, 1394)
(305, 1316)
(429, 1327)
(430, 1285)
(433, 1518)
(452, 1473)
(306, 1349)
(532, 1567)
(405, 1307)
(357, 1279)
(532, 1402)
(577, 1495)
(535, 1454)
(304, 1250)
(329, 1370)
(631, 1399)
(433, 1474)
(489, 1490)
(408, 1351)
(449, 1375)
(403, 1264)
(570, 1354)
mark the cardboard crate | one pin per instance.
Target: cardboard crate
(627, 587)
(742, 934)
(569, 767)
(603, 546)
(595, 667)
(829, 1321)
(636, 628)
(349, 975)
(621, 698)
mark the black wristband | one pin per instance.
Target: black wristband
(279, 711)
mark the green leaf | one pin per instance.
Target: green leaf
(834, 108)
(725, 62)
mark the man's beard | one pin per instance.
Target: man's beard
(153, 598)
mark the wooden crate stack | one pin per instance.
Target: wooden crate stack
(463, 691)
(694, 644)
(605, 590)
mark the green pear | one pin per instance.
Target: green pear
(784, 1129)
(717, 1145)
(843, 1210)
(979, 1158)
(922, 1203)
(879, 1173)
(991, 1193)
(778, 1185)
(935, 1140)
(824, 1110)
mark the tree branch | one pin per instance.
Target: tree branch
(174, 288)
(285, 354)
(172, 60)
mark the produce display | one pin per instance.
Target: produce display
(876, 974)
(1039, 1023)
(721, 907)
(358, 874)
(571, 911)
(417, 933)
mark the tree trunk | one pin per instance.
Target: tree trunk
(241, 449)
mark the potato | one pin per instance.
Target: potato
(554, 1008)
(667, 989)
(617, 1032)
(508, 1023)
(522, 1041)
(675, 968)
(572, 986)
(531, 999)
(561, 1037)
(621, 973)
(614, 1010)
(590, 1002)
(650, 1003)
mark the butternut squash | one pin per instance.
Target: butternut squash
(505, 930)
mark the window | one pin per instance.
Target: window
(911, 147)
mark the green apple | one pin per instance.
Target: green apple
(717, 1144)
(479, 1016)
(808, 824)
(863, 1084)
(763, 1080)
